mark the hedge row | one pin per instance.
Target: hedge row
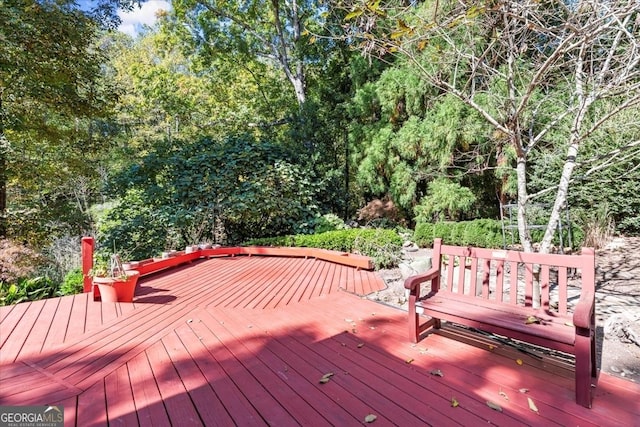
(482, 233)
(382, 245)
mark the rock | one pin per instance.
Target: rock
(417, 266)
(624, 326)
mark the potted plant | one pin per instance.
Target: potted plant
(115, 284)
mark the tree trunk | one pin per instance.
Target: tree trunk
(561, 198)
(4, 149)
(523, 228)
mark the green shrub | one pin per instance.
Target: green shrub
(328, 222)
(73, 282)
(483, 233)
(383, 246)
(423, 234)
(32, 289)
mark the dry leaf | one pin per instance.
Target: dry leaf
(524, 390)
(519, 361)
(569, 324)
(437, 373)
(370, 418)
(491, 346)
(409, 360)
(454, 402)
(494, 406)
(325, 378)
(531, 319)
(504, 395)
(532, 405)
(361, 345)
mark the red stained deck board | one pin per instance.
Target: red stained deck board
(70, 406)
(294, 276)
(20, 332)
(231, 360)
(226, 390)
(295, 293)
(303, 370)
(176, 401)
(290, 275)
(59, 324)
(262, 281)
(273, 380)
(12, 318)
(35, 340)
(146, 396)
(92, 363)
(370, 376)
(121, 410)
(32, 387)
(209, 406)
(91, 409)
(78, 317)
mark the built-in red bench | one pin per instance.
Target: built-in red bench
(524, 296)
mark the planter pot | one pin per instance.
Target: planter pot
(116, 289)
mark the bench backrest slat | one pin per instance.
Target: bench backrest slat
(500, 280)
(474, 273)
(562, 290)
(513, 277)
(513, 290)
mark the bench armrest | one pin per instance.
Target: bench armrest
(414, 282)
(583, 314)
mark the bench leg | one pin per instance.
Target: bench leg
(414, 320)
(585, 366)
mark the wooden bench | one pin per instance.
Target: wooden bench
(523, 296)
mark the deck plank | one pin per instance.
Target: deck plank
(146, 396)
(209, 406)
(59, 324)
(174, 395)
(230, 359)
(121, 409)
(36, 338)
(223, 385)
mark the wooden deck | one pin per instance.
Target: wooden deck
(246, 340)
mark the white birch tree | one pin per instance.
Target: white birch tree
(507, 59)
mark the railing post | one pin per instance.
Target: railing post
(87, 261)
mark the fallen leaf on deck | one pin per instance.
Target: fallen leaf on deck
(437, 373)
(524, 390)
(532, 405)
(325, 378)
(504, 395)
(491, 347)
(494, 406)
(409, 360)
(569, 324)
(454, 402)
(361, 345)
(370, 418)
(532, 319)
(519, 361)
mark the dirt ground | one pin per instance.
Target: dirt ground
(617, 303)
